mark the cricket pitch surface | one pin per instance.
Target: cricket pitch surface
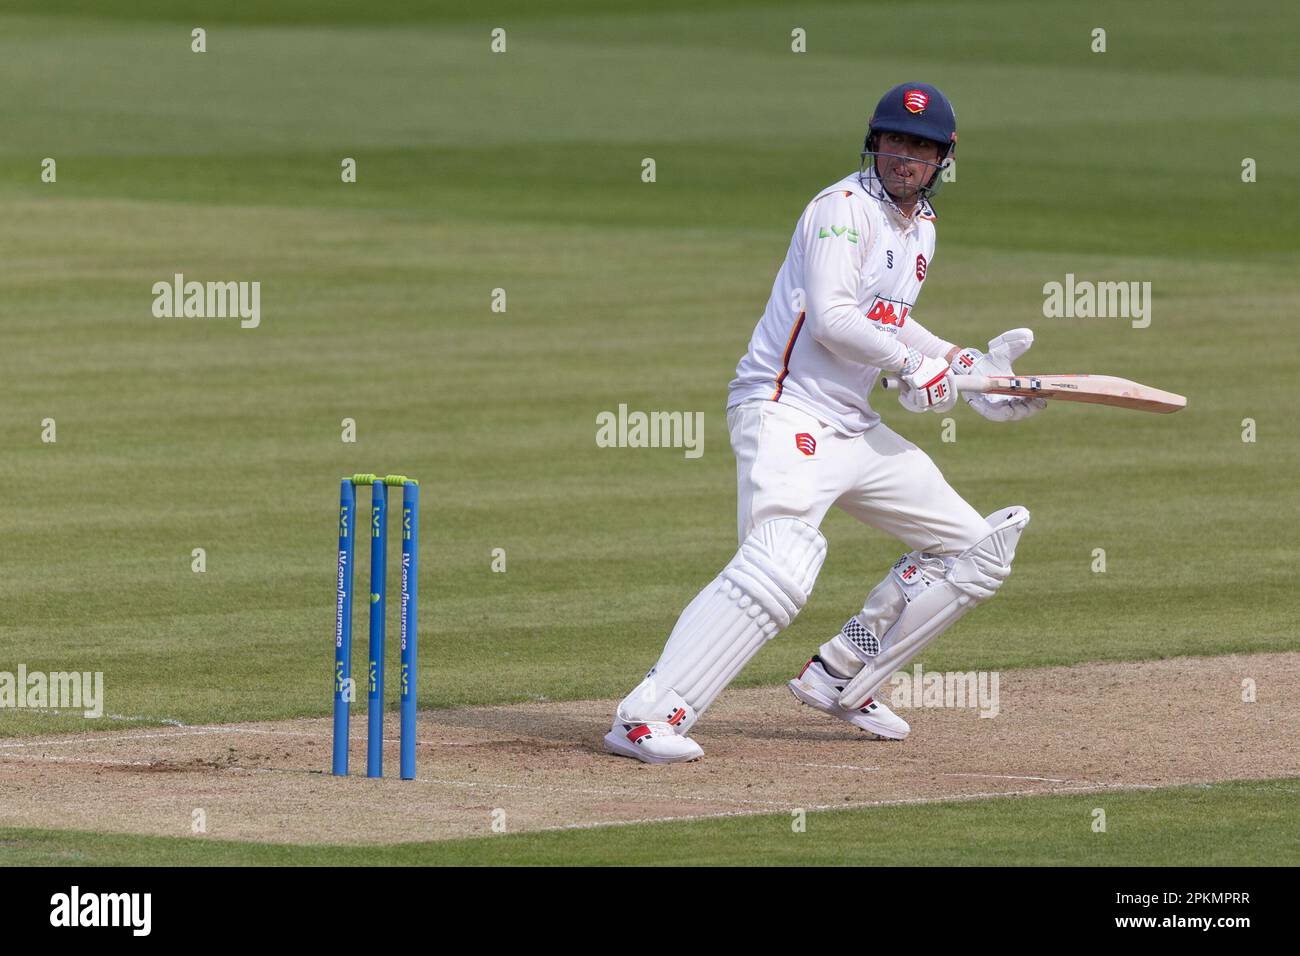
(541, 766)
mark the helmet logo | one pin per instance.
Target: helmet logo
(916, 101)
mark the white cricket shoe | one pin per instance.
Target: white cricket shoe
(816, 687)
(651, 742)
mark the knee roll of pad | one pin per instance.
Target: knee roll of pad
(980, 570)
(777, 566)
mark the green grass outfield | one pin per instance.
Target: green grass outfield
(1230, 824)
(522, 171)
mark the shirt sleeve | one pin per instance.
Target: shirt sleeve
(916, 336)
(836, 236)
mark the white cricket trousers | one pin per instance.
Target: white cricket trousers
(789, 464)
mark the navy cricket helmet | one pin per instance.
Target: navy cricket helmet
(916, 109)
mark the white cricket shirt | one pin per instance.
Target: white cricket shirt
(841, 308)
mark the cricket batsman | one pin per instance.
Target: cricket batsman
(806, 438)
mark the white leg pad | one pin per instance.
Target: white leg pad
(972, 577)
(754, 598)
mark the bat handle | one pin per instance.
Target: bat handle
(963, 383)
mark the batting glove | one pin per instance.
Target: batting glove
(925, 384)
(1003, 350)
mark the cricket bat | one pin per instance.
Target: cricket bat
(1089, 389)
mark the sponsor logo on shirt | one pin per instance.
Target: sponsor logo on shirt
(889, 312)
(850, 234)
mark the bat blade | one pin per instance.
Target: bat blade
(1088, 389)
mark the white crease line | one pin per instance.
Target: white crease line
(170, 721)
(846, 766)
(161, 765)
(200, 730)
(1006, 776)
(161, 735)
(190, 730)
(43, 758)
(419, 741)
(815, 766)
(638, 795)
(195, 729)
(909, 801)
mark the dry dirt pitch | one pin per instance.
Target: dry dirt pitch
(1060, 730)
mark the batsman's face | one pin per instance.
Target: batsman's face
(906, 164)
